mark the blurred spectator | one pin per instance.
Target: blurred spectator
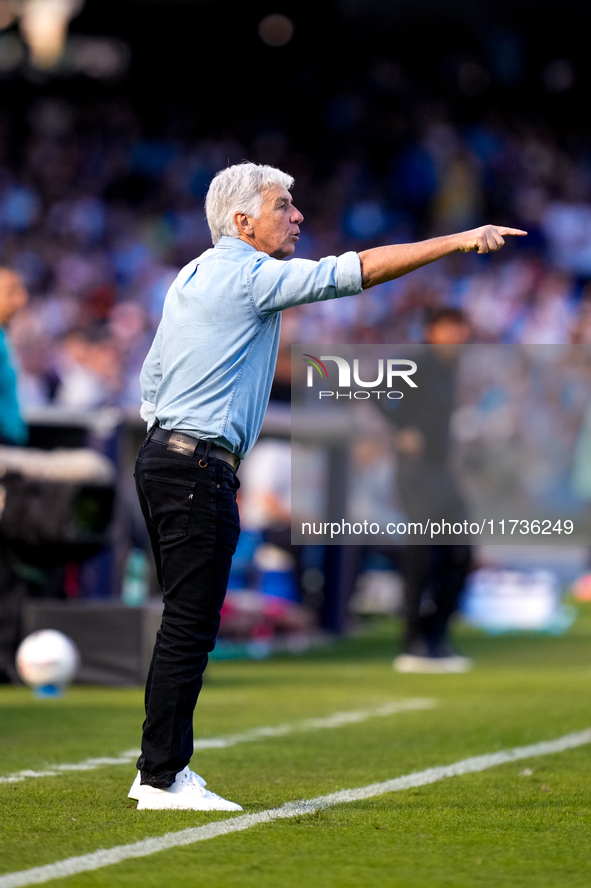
(13, 296)
(433, 575)
(89, 370)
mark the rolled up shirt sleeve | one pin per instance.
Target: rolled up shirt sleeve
(276, 285)
(349, 274)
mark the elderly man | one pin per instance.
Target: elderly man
(205, 387)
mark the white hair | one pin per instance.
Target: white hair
(239, 189)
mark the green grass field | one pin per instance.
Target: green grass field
(525, 823)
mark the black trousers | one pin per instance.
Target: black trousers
(433, 578)
(192, 519)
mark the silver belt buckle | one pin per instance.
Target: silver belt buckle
(182, 444)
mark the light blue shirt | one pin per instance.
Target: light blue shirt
(211, 365)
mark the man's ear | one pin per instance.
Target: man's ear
(244, 224)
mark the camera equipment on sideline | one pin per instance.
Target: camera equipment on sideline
(55, 506)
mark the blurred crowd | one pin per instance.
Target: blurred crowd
(98, 218)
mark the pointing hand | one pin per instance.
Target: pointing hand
(487, 238)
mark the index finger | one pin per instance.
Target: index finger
(504, 231)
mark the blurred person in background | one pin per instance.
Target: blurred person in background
(89, 369)
(205, 387)
(433, 575)
(13, 431)
(13, 296)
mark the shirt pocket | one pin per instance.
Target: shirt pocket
(170, 502)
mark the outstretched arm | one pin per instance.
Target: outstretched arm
(382, 264)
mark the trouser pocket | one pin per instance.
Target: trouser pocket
(170, 503)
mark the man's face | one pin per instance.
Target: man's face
(276, 230)
(13, 294)
(448, 332)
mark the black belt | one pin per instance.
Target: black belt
(189, 445)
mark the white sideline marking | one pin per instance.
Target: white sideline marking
(311, 724)
(107, 857)
(336, 720)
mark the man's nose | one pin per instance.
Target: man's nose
(297, 217)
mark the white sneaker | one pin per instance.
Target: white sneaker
(137, 789)
(432, 665)
(186, 793)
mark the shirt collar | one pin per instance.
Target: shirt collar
(233, 243)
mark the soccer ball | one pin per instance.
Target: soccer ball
(47, 661)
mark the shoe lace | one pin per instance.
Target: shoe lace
(198, 781)
(195, 779)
